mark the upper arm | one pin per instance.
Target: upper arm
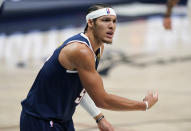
(89, 77)
(81, 58)
(93, 84)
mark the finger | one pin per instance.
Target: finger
(150, 93)
(155, 95)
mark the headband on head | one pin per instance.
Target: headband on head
(100, 12)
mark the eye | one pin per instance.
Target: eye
(106, 20)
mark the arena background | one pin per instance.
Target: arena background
(142, 57)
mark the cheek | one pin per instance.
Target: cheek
(99, 30)
(102, 29)
(114, 27)
(99, 27)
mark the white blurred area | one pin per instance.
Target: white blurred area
(141, 36)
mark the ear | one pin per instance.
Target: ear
(90, 23)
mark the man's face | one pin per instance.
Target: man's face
(104, 28)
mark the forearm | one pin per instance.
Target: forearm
(170, 5)
(108, 101)
(88, 104)
(113, 102)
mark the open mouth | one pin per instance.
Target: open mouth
(110, 34)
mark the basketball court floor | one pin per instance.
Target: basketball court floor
(143, 57)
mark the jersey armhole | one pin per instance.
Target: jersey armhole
(70, 42)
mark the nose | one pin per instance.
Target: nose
(111, 25)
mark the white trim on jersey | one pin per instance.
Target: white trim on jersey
(71, 71)
(90, 46)
(83, 35)
(84, 43)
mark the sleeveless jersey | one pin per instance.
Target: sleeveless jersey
(56, 91)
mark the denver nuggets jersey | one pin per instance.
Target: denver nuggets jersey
(56, 91)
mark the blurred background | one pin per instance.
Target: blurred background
(144, 56)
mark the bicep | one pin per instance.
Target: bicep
(83, 61)
(93, 84)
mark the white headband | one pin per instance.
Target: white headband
(100, 12)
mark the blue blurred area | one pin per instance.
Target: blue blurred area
(26, 15)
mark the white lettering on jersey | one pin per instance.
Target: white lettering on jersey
(79, 98)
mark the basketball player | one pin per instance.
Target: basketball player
(71, 72)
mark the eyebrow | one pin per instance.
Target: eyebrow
(109, 17)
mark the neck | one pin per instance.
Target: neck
(95, 43)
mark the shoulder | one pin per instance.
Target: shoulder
(78, 54)
(79, 50)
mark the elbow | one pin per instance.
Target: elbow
(102, 103)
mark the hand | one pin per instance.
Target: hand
(103, 125)
(167, 23)
(151, 98)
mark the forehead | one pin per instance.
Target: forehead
(113, 17)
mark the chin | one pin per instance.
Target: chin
(108, 41)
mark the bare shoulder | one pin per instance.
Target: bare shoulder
(76, 55)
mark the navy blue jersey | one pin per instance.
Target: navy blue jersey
(56, 91)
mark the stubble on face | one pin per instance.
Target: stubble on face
(106, 26)
(100, 34)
